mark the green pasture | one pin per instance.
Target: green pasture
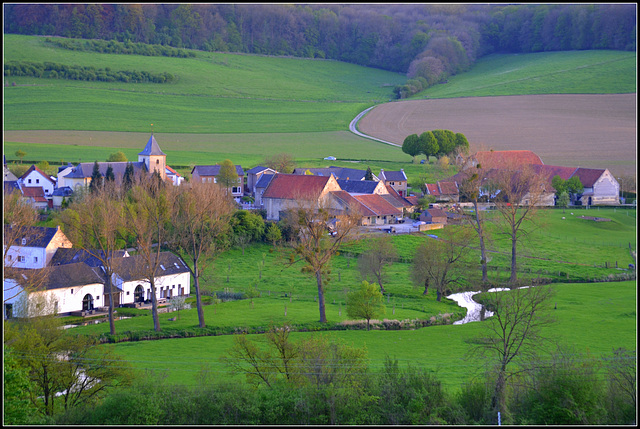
(592, 317)
(566, 72)
(214, 93)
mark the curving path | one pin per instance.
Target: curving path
(353, 127)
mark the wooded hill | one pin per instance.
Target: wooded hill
(430, 41)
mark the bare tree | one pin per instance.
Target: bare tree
(373, 262)
(470, 187)
(200, 221)
(442, 263)
(94, 224)
(281, 162)
(314, 245)
(148, 211)
(514, 332)
(520, 192)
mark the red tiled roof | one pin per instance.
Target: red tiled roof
(412, 199)
(550, 171)
(294, 186)
(504, 158)
(35, 192)
(447, 188)
(437, 213)
(432, 189)
(399, 201)
(353, 202)
(378, 205)
(172, 170)
(588, 176)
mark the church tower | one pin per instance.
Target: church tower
(154, 158)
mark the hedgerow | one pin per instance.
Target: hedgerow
(51, 70)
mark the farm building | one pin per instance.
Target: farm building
(287, 191)
(396, 179)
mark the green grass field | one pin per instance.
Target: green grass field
(606, 311)
(566, 72)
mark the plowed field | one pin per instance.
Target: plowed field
(594, 131)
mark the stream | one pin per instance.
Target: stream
(474, 310)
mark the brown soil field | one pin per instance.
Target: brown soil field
(593, 131)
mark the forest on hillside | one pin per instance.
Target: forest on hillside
(428, 42)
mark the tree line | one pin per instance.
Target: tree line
(116, 47)
(436, 143)
(429, 41)
(89, 73)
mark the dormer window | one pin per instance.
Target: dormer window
(24, 241)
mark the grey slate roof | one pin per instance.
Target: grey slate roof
(396, 176)
(358, 186)
(264, 180)
(70, 275)
(213, 170)
(65, 256)
(36, 236)
(152, 148)
(256, 170)
(129, 269)
(85, 169)
(65, 191)
(338, 172)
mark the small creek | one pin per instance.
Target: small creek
(474, 310)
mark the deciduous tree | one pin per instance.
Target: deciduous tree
(200, 227)
(365, 303)
(514, 332)
(147, 208)
(442, 263)
(373, 262)
(428, 144)
(94, 223)
(313, 245)
(520, 192)
(411, 145)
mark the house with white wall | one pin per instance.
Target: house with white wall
(34, 177)
(33, 247)
(210, 173)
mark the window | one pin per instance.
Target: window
(71, 291)
(21, 259)
(157, 161)
(35, 259)
(8, 311)
(24, 241)
(37, 180)
(29, 180)
(204, 179)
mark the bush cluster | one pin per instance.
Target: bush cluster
(49, 70)
(566, 391)
(125, 48)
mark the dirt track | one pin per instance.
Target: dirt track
(595, 131)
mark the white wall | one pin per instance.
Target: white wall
(29, 254)
(172, 282)
(36, 179)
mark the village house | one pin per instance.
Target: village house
(253, 177)
(260, 187)
(434, 216)
(210, 173)
(396, 179)
(443, 191)
(34, 177)
(287, 191)
(74, 280)
(34, 247)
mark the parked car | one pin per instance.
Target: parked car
(432, 236)
(330, 158)
(417, 223)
